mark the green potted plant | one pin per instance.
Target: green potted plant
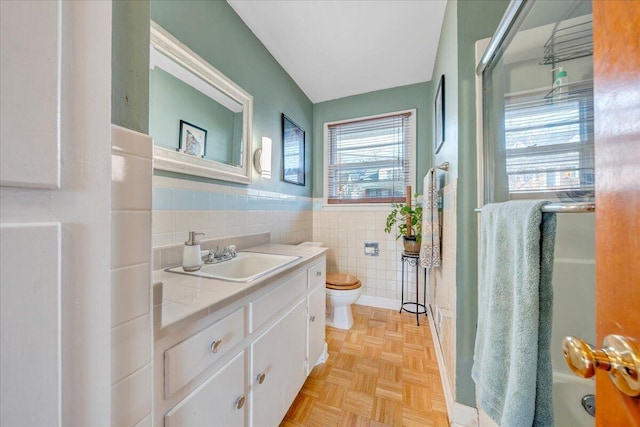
(409, 225)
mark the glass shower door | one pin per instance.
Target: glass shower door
(538, 108)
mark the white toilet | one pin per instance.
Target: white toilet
(342, 291)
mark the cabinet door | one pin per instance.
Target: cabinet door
(216, 402)
(317, 302)
(279, 355)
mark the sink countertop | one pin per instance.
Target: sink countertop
(192, 297)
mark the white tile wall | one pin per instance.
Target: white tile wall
(130, 237)
(131, 338)
(131, 399)
(171, 227)
(130, 288)
(127, 168)
(344, 231)
(130, 348)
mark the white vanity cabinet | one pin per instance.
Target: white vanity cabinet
(270, 341)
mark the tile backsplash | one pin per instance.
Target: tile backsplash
(171, 255)
(180, 206)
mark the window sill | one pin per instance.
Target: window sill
(356, 206)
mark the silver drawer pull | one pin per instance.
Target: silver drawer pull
(319, 273)
(261, 377)
(215, 346)
(240, 402)
(312, 318)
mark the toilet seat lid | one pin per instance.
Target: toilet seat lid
(342, 281)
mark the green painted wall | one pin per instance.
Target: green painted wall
(476, 20)
(214, 31)
(130, 65)
(172, 100)
(447, 65)
(465, 22)
(368, 104)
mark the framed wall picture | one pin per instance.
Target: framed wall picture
(438, 112)
(193, 139)
(292, 152)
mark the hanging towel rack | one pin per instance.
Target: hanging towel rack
(565, 207)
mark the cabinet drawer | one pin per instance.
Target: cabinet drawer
(185, 361)
(263, 308)
(216, 402)
(317, 273)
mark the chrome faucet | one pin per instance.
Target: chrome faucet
(210, 256)
(229, 252)
(213, 256)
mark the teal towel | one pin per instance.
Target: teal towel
(512, 359)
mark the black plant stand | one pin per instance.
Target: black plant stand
(413, 261)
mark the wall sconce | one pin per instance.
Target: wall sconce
(262, 158)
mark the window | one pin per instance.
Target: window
(370, 160)
(549, 146)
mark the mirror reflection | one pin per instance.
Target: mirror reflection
(200, 120)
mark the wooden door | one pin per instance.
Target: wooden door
(617, 144)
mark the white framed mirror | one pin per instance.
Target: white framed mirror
(200, 120)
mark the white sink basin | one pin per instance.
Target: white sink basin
(245, 267)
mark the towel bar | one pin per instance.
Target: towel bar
(565, 207)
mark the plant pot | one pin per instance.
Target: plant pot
(411, 245)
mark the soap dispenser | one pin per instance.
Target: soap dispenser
(191, 256)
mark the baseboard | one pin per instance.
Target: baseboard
(378, 302)
(324, 356)
(459, 415)
(463, 415)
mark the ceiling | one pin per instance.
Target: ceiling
(333, 49)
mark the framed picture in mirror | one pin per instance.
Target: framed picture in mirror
(193, 139)
(292, 152)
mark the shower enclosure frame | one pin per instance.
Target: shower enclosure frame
(569, 387)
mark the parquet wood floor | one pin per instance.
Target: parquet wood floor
(382, 372)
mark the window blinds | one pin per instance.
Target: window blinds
(369, 160)
(549, 144)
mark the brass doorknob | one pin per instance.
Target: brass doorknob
(619, 356)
